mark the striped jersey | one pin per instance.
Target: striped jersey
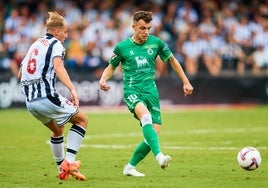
(38, 76)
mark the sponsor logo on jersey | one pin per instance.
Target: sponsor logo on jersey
(141, 61)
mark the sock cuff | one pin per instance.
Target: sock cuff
(78, 129)
(158, 156)
(56, 140)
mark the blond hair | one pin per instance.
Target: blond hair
(54, 21)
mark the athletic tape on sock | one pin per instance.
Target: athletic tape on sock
(146, 119)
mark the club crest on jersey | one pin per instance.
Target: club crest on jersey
(150, 51)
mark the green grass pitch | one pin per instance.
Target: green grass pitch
(203, 145)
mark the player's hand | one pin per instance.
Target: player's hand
(74, 98)
(104, 86)
(187, 89)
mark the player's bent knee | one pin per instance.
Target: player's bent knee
(58, 131)
(85, 121)
(80, 119)
(146, 119)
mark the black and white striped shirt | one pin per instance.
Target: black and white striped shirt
(38, 75)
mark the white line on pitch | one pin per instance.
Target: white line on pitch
(214, 148)
(190, 132)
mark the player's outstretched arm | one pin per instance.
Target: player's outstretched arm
(187, 87)
(65, 79)
(106, 75)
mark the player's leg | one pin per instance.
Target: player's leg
(41, 110)
(150, 133)
(154, 108)
(74, 140)
(69, 113)
(75, 135)
(54, 113)
(162, 159)
(148, 130)
(57, 148)
(138, 155)
(57, 142)
(142, 150)
(135, 105)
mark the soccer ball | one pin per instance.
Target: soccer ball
(249, 158)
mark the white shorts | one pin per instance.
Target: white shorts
(57, 108)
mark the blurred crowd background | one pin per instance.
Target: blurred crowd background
(209, 37)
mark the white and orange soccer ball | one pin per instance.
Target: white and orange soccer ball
(249, 158)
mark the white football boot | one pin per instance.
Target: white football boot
(131, 171)
(164, 161)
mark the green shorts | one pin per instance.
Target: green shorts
(150, 100)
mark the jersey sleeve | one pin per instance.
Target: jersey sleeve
(116, 57)
(58, 50)
(164, 51)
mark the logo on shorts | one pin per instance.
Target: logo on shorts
(69, 102)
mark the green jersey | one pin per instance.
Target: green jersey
(138, 62)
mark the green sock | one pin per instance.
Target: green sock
(151, 137)
(139, 154)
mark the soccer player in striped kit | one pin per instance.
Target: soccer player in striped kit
(137, 56)
(39, 69)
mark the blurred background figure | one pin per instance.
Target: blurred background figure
(233, 57)
(192, 51)
(197, 32)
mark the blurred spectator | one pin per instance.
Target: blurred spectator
(21, 49)
(259, 60)
(4, 58)
(198, 32)
(207, 25)
(187, 12)
(93, 62)
(260, 37)
(207, 30)
(229, 20)
(192, 51)
(90, 10)
(75, 51)
(12, 21)
(3, 10)
(10, 39)
(243, 35)
(106, 54)
(165, 28)
(233, 57)
(210, 57)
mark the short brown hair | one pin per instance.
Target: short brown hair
(143, 15)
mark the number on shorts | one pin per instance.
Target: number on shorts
(132, 98)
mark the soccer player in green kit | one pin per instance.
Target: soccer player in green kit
(137, 56)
